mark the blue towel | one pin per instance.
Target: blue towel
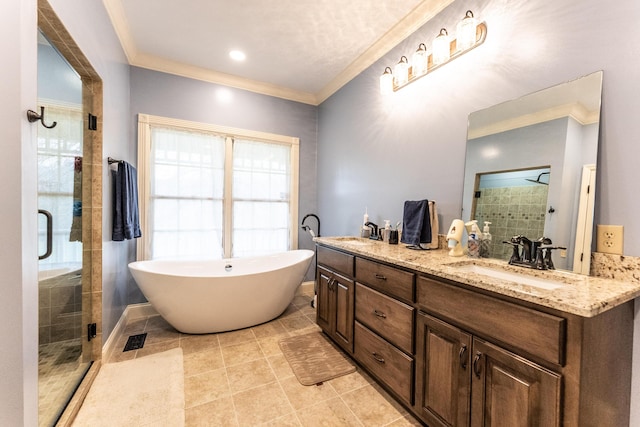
(126, 222)
(416, 224)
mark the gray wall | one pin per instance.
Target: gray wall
(377, 152)
(167, 95)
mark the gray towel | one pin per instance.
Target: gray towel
(416, 223)
(126, 222)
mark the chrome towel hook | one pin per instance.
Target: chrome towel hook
(32, 116)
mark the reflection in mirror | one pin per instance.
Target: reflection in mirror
(530, 169)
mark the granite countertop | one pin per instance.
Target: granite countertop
(582, 295)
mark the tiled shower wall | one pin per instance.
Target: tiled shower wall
(512, 211)
(60, 308)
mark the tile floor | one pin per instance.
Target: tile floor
(241, 378)
(59, 373)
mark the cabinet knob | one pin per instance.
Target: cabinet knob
(377, 357)
(379, 314)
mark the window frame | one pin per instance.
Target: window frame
(146, 122)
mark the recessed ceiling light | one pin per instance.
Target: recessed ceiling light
(237, 55)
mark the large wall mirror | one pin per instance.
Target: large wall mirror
(530, 169)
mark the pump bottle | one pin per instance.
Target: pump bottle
(485, 244)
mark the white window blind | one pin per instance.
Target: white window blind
(214, 192)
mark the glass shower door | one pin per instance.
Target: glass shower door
(61, 364)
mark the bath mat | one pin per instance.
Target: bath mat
(147, 391)
(314, 358)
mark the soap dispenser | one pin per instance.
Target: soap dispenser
(387, 230)
(485, 244)
(473, 242)
(454, 237)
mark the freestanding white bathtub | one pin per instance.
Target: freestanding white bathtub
(199, 297)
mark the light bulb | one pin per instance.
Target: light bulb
(441, 48)
(401, 71)
(386, 82)
(466, 32)
(420, 61)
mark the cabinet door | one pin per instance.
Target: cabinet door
(443, 367)
(343, 294)
(508, 390)
(324, 308)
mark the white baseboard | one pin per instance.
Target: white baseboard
(133, 311)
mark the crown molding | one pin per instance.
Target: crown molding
(575, 110)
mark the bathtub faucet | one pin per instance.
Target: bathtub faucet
(307, 228)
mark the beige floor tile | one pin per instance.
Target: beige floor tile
(202, 361)
(157, 347)
(242, 353)
(261, 404)
(269, 329)
(289, 420)
(159, 335)
(135, 327)
(206, 387)
(406, 421)
(195, 343)
(270, 346)
(219, 412)
(296, 323)
(249, 375)
(331, 412)
(157, 322)
(236, 337)
(292, 310)
(347, 383)
(372, 407)
(280, 366)
(302, 301)
(302, 396)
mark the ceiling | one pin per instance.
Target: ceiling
(302, 50)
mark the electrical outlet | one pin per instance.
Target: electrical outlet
(610, 239)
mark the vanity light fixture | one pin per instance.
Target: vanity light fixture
(470, 34)
(401, 71)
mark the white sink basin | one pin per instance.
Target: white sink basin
(522, 279)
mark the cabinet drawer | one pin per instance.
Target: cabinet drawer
(336, 260)
(534, 332)
(398, 283)
(390, 365)
(390, 318)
